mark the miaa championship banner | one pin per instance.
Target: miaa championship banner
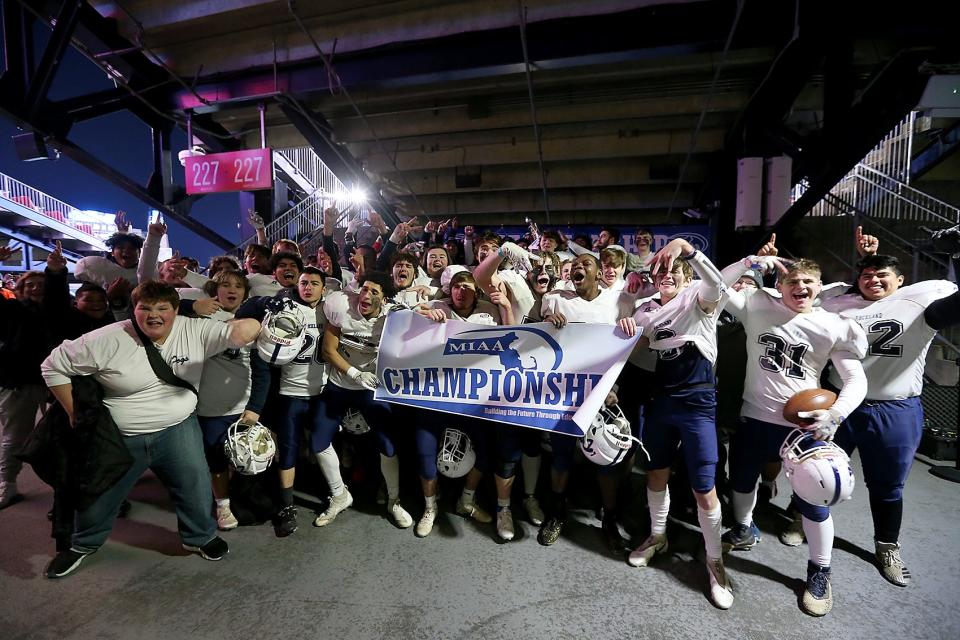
(532, 375)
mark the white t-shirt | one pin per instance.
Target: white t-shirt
(787, 351)
(484, 313)
(680, 321)
(103, 271)
(306, 375)
(138, 401)
(606, 308)
(225, 385)
(898, 334)
(359, 336)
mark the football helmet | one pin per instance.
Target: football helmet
(819, 471)
(249, 448)
(456, 456)
(282, 334)
(354, 423)
(608, 439)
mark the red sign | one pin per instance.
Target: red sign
(232, 171)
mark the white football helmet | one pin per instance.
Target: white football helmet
(282, 334)
(456, 456)
(355, 423)
(608, 439)
(249, 448)
(819, 472)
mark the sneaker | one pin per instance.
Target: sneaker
(399, 514)
(225, 518)
(891, 564)
(285, 522)
(642, 555)
(721, 594)
(741, 537)
(213, 550)
(471, 510)
(337, 504)
(65, 563)
(8, 493)
(818, 596)
(505, 524)
(793, 535)
(611, 533)
(534, 512)
(425, 523)
(550, 531)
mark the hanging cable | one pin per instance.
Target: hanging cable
(706, 104)
(533, 107)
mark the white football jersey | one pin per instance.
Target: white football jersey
(359, 336)
(484, 313)
(680, 321)
(262, 284)
(898, 334)
(306, 375)
(225, 385)
(523, 301)
(787, 351)
(607, 308)
(409, 299)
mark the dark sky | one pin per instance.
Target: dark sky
(123, 141)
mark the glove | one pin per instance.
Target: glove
(946, 240)
(368, 380)
(825, 422)
(255, 220)
(517, 256)
(767, 264)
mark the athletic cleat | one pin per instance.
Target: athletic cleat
(611, 533)
(550, 531)
(721, 594)
(399, 515)
(818, 597)
(741, 537)
(642, 555)
(471, 510)
(793, 535)
(213, 550)
(891, 564)
(425, 524)
(505, 524)
(285, 522)
(65, 563)
(225, 518)
(534, 512)
(337, 504)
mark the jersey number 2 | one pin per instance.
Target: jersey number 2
(782, 356)
(889, 331)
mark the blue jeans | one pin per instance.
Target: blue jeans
(175, 454)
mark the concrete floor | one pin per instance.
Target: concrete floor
(363, 578)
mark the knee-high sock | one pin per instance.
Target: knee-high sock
(390, 468)
(330, 467)
(819, 539)
(711, 525)
(531, 471)
(743, 504)
(659, 504)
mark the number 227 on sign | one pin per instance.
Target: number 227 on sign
(231, 171)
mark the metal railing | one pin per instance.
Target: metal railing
(26, 196)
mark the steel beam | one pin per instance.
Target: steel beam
(63, 29)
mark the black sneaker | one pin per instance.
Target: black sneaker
(285, 522)
(550, 531)
(741, 537)
(213, 550)
(818, 596)
(611, 532)
(65, 563)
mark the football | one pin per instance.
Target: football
(807, 400)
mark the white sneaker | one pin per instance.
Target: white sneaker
(534, 512)
(891, 564)
(8, 492)
(505, 524)
(793, 535)
(425, 524)
(720, 592)
(642, 555)
(225, 518)
(337, 504)
(399, 514)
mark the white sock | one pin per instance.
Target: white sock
(711, 525)
(431, 502)
(330, 467)
(223, 502)
(467, 496)
(743, 504)
(819, 540)
(659, 503)
(531, 471)
(503, 503)
(390, 468)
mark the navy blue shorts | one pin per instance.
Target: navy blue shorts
(688, 417)
(378, 414)
(887, 433)
(429, 439)
(297, 414)
(214, 431)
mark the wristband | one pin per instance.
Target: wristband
(689, 256)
